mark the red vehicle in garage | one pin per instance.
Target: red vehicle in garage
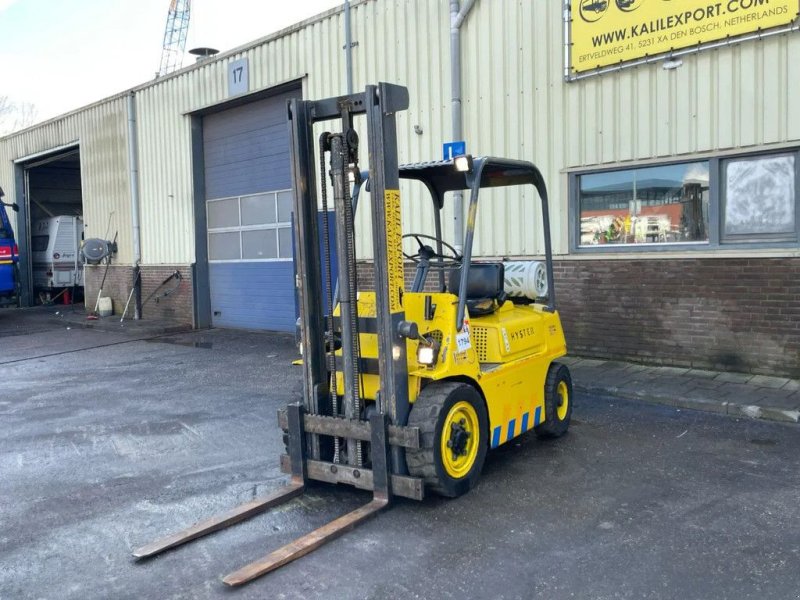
(9, 255)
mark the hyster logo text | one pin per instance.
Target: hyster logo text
(521, 333)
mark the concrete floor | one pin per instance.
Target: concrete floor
(112, 443)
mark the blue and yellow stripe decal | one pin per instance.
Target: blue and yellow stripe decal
(527, 421)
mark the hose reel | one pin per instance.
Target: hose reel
(95, 250)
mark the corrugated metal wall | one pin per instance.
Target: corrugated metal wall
(165, 175)
(515, 104)
(101, 131)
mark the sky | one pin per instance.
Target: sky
(60, 55)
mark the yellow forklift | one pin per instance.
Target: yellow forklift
(404, 390)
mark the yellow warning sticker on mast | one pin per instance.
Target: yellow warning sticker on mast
(394, 250)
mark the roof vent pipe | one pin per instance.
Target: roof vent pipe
(203, 53)
(457, 17)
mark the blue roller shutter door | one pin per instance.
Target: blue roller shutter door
(249, 203)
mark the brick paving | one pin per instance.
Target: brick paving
(735, 394)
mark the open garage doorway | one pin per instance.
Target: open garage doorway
(50, 228)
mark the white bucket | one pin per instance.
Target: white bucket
(105, 308)
(525, 279)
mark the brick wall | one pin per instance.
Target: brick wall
(175, 307)
(366, 276)
(724, 314)
(117, 286)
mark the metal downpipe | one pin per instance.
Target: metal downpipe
(457, 17)
(133, 163)
(348, 46)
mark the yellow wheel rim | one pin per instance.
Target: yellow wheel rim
(563, 400)
(460, 439)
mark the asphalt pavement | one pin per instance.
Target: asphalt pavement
(108, 442)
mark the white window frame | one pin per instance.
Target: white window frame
(276, 226)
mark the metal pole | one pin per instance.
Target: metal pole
(133, 161)
(567, 14)
(457, 18)
(348, 46)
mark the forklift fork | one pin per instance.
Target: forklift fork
(221, 521)
(303, 545)
(294, 416)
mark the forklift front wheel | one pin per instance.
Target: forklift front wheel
(453, 425)
(557, 402)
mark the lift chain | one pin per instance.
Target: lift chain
(330, 346)
(350, 140)
(343, 150)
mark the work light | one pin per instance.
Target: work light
(464, 163)
(426, 355)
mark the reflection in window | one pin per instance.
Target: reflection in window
(661, 205)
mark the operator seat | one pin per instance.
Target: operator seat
(485, 290)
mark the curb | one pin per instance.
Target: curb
(116, 327)
(751, 411)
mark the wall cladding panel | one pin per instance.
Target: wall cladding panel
(101, 132)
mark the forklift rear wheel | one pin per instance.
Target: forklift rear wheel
(557, 402)
(453, 429)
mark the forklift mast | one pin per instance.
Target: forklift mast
(379, 104)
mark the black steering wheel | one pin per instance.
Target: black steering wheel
(447, 261)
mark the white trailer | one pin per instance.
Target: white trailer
(55, 245)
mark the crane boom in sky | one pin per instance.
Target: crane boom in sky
(175, 36)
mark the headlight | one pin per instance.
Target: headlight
(426, 355)
(464, 163)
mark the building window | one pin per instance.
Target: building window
(257, 227)
(653, 205)
(760, 198)
(743, 200)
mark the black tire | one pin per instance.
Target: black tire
(555, 424)
(429, 413)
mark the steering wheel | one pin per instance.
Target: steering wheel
(453, 259)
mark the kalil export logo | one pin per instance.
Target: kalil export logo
(594, 10)
(629, 5)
